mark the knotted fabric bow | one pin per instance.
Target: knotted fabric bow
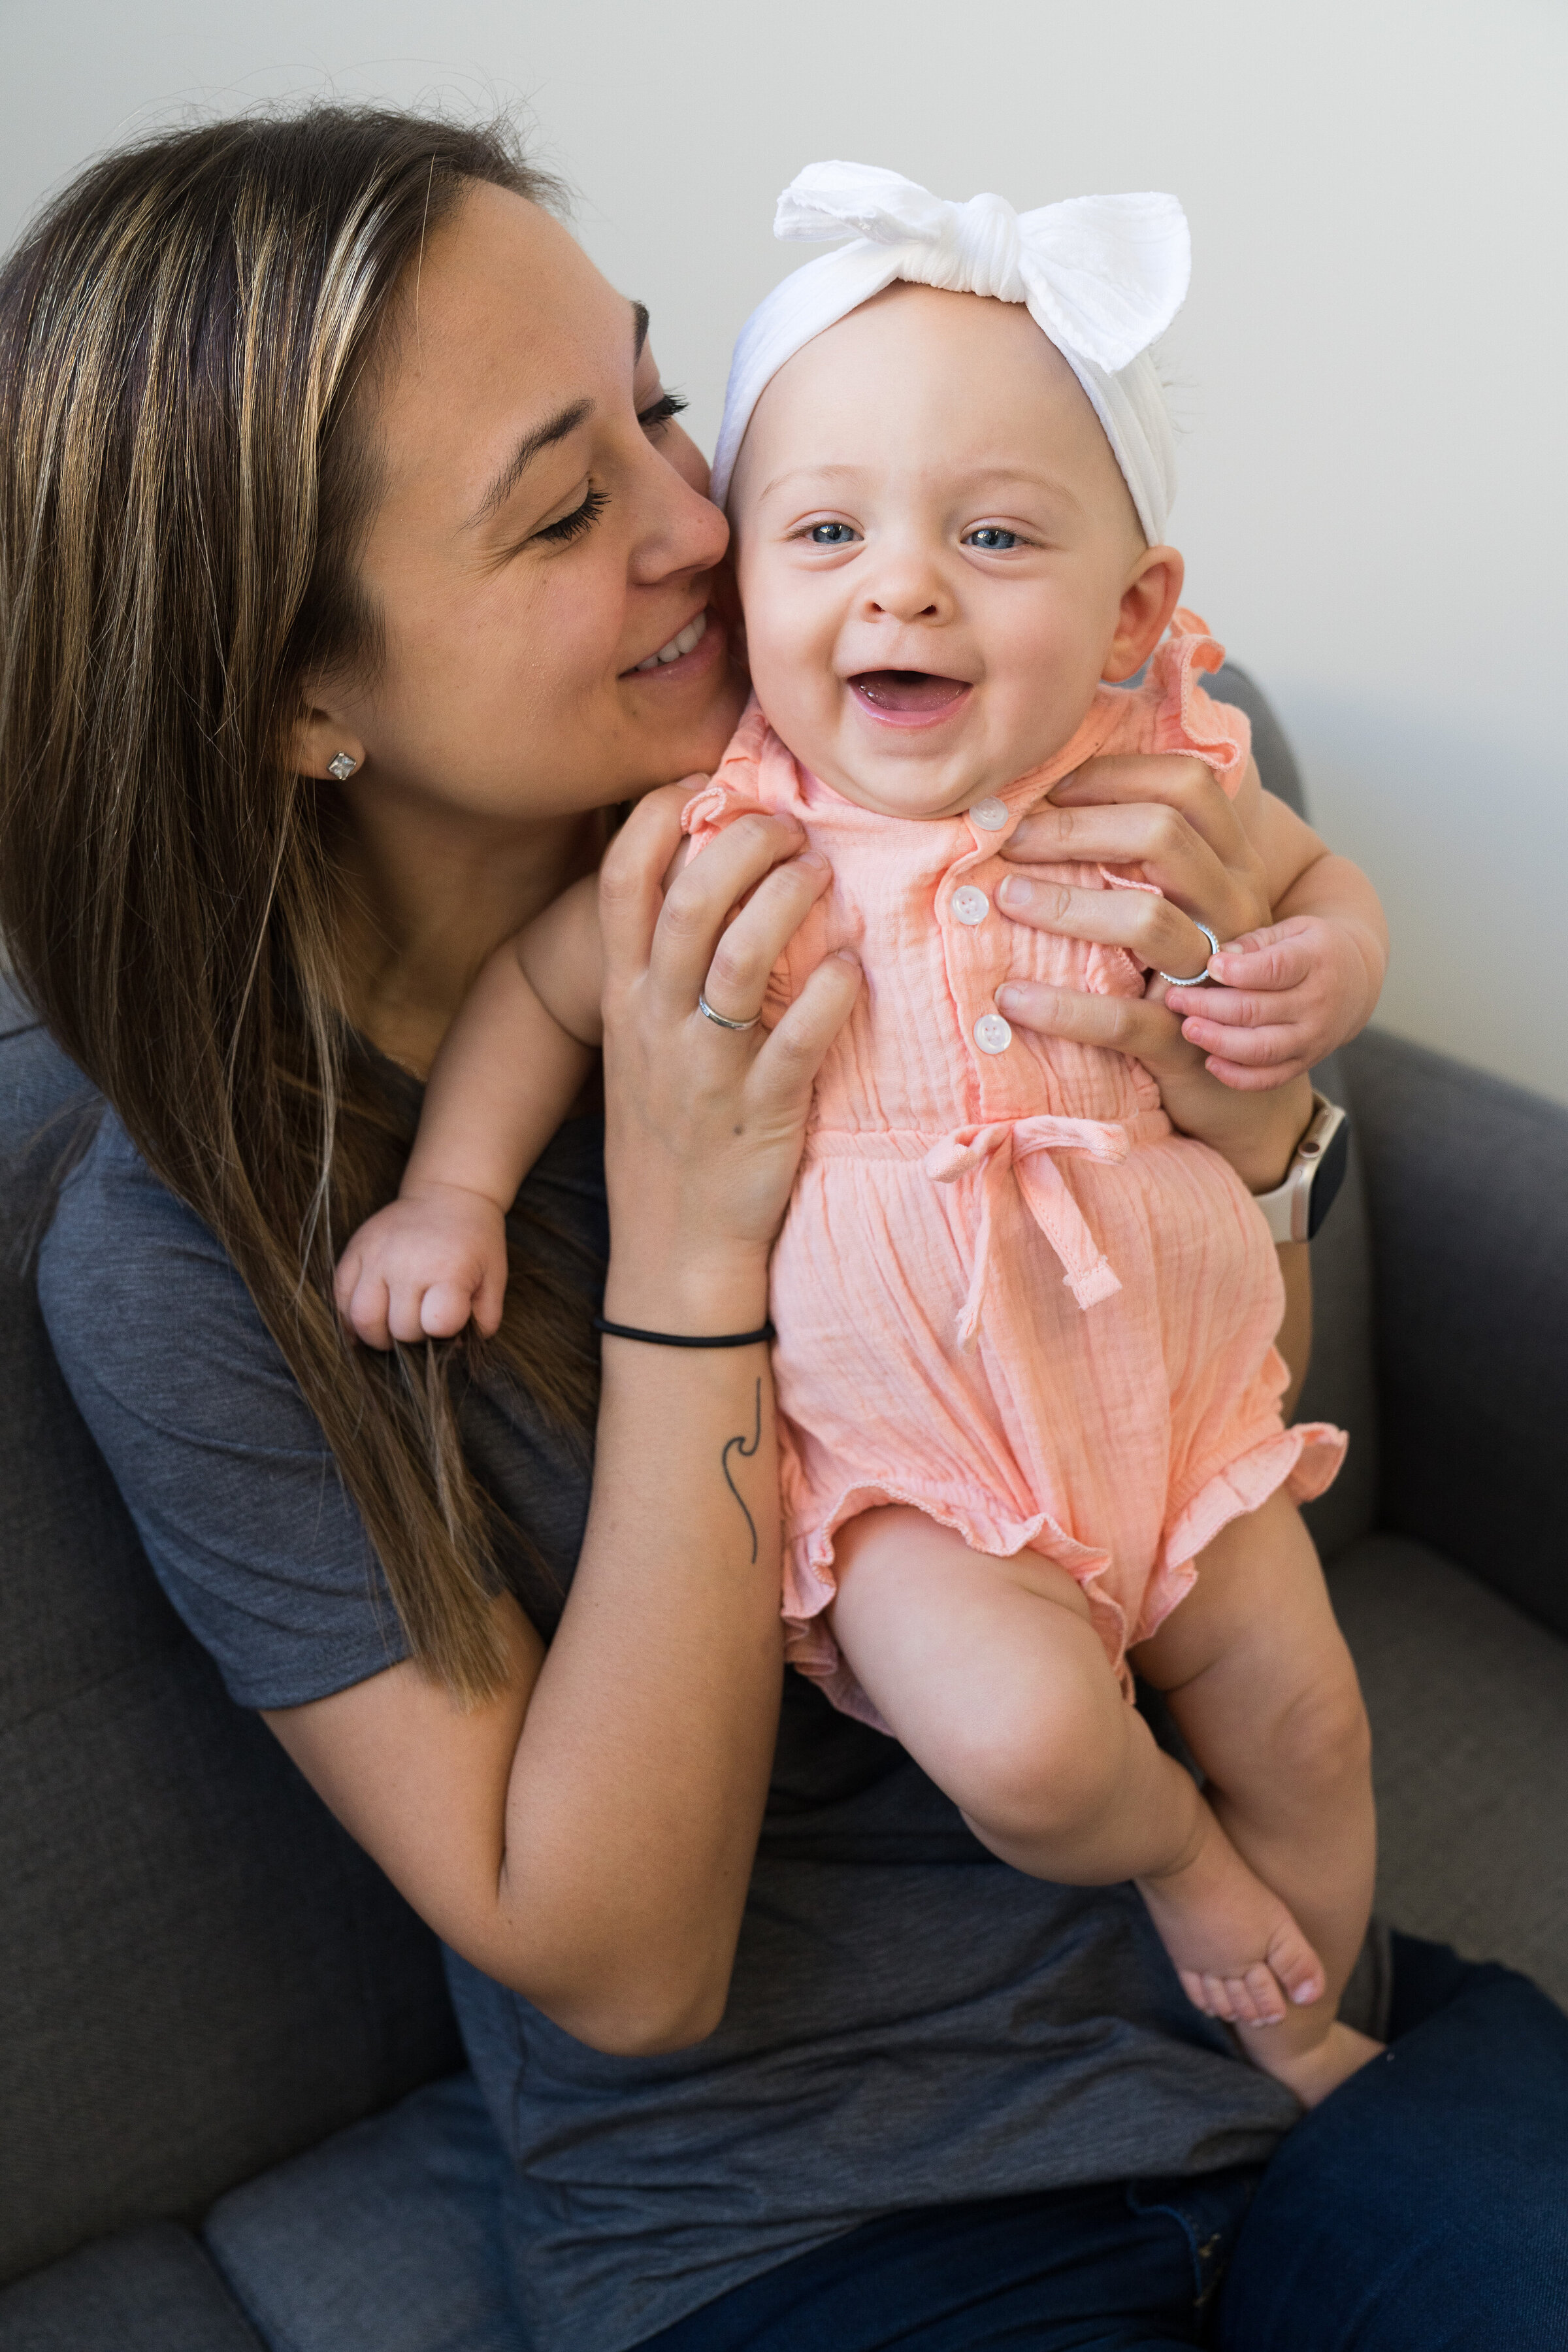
(1101, 276)
(1025, 1146)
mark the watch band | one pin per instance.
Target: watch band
(1296, 1209)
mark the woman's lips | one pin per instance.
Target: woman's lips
(692, 650)
(908, 698)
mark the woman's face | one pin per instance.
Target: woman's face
(543, 535)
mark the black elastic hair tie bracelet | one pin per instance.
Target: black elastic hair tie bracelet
(680, 1340)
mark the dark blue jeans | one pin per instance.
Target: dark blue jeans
(1423, 2207)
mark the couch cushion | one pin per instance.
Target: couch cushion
(200, 1973)
(1468, 1702)
(146, 2290)
(1468, 1187)
(388, 2238)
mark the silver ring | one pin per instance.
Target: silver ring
(1198, 977)
(722, 1020)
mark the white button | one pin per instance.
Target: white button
(992, 1033)
(989, 815)
(970, 905)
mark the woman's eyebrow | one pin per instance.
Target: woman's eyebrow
(543, 437)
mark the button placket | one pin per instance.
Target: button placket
(976, 959)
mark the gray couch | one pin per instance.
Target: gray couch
(201, 1977)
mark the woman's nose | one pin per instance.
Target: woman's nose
(685, 531)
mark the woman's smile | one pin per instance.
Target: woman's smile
(690, 653)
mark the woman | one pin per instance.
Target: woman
(345, 523)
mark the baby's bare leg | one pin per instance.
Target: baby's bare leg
(991, 1673)
(1262, 1686)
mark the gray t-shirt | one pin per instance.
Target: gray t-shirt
(909, 2021)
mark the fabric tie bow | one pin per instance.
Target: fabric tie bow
(1101, 276)
(1025, 1146)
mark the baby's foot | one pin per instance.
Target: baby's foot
(1237, 1951)
(1314, 2070)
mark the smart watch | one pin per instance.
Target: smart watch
(1296, 1209)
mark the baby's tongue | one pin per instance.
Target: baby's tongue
(907, 690)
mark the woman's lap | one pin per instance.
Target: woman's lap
(1425, 2206)
(1112, 2269)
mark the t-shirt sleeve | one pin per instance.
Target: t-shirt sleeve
(232, 1488)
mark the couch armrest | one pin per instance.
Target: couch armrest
(1468, 1188)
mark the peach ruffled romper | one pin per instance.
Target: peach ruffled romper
(1006, 1291)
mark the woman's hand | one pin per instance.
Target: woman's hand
(1169, 822)
(1257, 1133)
(706, 1125)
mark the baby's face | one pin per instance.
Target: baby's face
(939, 557)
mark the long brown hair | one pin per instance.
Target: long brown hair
(186, 477)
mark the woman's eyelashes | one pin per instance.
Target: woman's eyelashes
(669, 405)
(582, 517)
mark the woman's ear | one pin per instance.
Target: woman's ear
(324, 742)
(1151, 596)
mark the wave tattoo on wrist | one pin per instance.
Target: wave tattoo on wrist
(738, 1445)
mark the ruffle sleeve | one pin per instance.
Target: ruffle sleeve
(1186, 719)
(734, 786)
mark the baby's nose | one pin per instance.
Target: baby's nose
(907, 589)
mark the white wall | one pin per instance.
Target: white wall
(1374, 353)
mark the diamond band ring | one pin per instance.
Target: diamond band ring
(722, 1020)
(1197, 976)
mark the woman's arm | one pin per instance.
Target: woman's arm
(588, 1837)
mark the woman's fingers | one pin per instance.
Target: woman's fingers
(734, 978)
(1167, 817)
(1181, 782)
(1152, 929)
(1124, 1025)
(632, 880)
(785, 1069)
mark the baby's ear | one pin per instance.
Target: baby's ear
(1151, 596)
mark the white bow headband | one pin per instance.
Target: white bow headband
(1102, 278)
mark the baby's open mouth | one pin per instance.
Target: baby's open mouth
(908, 693)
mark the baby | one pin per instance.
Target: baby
(1025, 1361)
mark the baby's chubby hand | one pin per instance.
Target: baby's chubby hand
(424, 1266)
(1293, 992)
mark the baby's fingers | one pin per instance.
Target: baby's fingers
(367, 1310)
(1262, 1048)
(1232, 1009)
(445, 1310)
(1267, 960)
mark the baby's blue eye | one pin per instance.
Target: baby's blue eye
(992, 537)
(832, 534)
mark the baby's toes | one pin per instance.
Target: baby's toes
(1265, 2002)
(1196, 1989)
(1219, 1998)
(1296, 1966)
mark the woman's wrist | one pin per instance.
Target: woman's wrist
(696, 1296)
(1262, 1159)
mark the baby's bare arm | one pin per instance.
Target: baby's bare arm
(506, 1074)
(1306, 982)
(512, 1062)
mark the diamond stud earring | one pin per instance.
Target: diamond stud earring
(343, 767)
